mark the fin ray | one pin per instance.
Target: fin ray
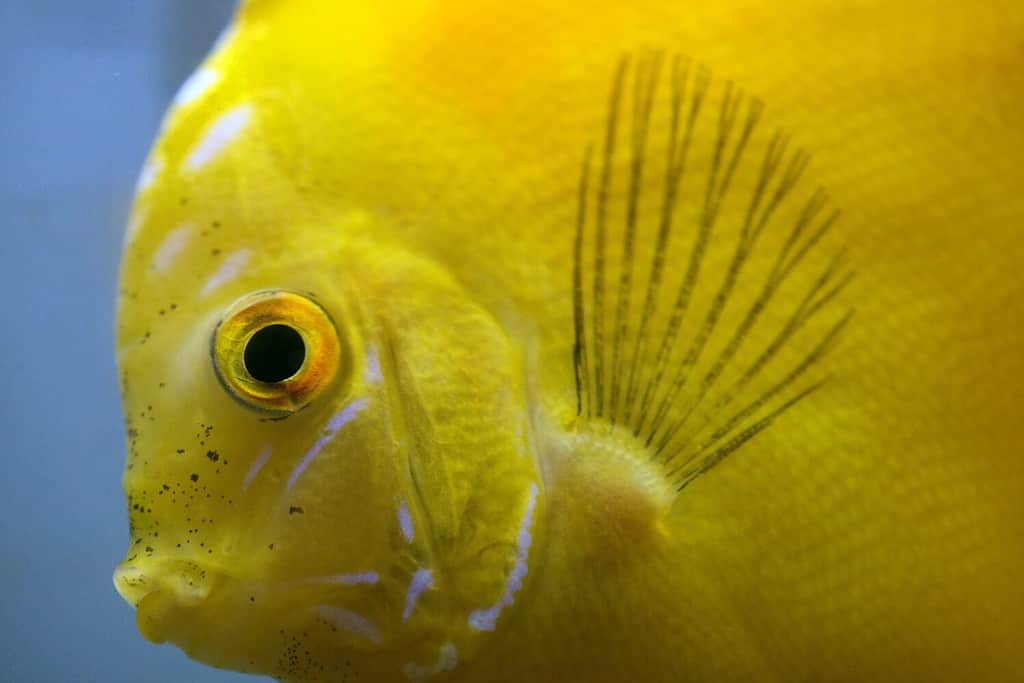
(668, 361)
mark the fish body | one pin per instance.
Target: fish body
(525, 341)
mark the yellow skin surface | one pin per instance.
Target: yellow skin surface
(416, 170)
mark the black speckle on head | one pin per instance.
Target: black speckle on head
(194, 477)
(295, 510)
(213, 456)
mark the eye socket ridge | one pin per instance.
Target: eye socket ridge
(275, 351)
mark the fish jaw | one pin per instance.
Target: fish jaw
(174, 600)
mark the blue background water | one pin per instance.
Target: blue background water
(83, 84)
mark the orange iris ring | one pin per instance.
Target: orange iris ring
(257, 311)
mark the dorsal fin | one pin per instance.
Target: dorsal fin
(704, 283)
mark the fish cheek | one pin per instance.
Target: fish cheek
(328, 500)
(338, 519)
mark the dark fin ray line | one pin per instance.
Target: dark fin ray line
(781, 269)
(824, 346)
(809, 360)
(674, 170)
(801, 315)
(743, 437)
(726, 120)
(806, 310)
(579, 349)
(645, 84)
(615, 98)
(696, 346)
(748, 237)
(776, 278)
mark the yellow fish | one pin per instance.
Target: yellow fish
(514, 341)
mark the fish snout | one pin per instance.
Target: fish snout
(157, 588)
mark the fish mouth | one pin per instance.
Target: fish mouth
(160, 588)
(186, 603)
(190, 605)
(227, 621)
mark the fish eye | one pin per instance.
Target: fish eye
(275, 351)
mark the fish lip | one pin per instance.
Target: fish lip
(164, 592)
(191, 579)
(151, 616)
(131, 583)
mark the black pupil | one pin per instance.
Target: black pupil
(274, 354)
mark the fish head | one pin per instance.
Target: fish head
(328, 460)
(260, 472)
(328, 464)
(321, 456)
(321, 464)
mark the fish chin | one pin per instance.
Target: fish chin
(221, 634)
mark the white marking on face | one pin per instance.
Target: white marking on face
(422, 580)
(148, 174)
(218, 136)
(447, 659)
(340, 419)
(373, 374)
(229, 269)
(405, 522)
(350, 621)
(256, 466)
(485, 619)
(225, 37)
(138, 217)
(359, 578)
(196, 86)
(173, 244)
